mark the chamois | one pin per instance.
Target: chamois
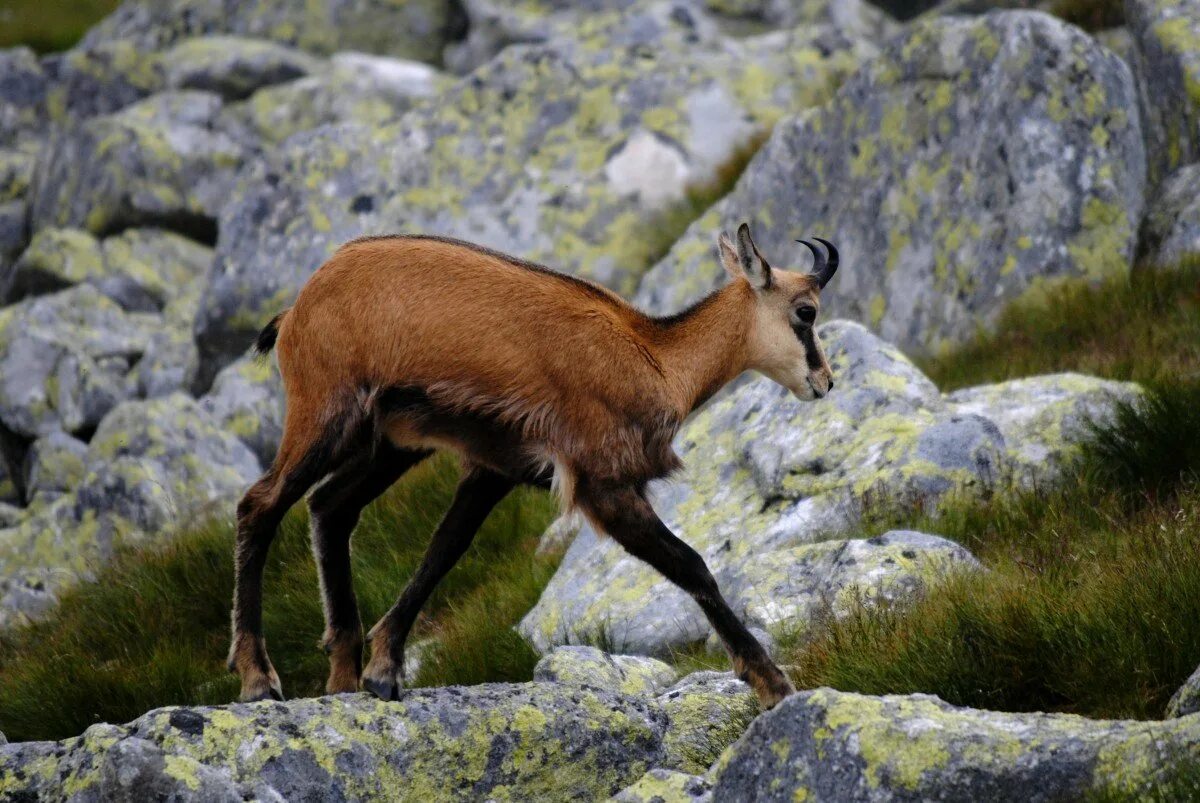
(402, 345)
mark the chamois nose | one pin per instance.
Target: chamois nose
(830, 384)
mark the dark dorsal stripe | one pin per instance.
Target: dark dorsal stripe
(582, 284)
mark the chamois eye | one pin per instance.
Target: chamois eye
(806, 314)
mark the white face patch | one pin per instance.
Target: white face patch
(785, 348)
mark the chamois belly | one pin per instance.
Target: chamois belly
(411, 421)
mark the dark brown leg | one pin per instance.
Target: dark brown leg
(259, 514)
(478, 492)
(305, 456)
(334, 509)
(625, 515)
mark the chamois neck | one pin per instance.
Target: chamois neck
(704, 348)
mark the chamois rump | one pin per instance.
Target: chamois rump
(399, 346)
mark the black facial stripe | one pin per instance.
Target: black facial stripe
(811, 354)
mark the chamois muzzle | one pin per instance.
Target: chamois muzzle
(823, 267)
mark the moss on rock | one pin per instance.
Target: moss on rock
(500, 742)
(957, 165)
(825, 744)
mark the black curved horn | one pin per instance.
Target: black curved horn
(819, 260)
(832, 266)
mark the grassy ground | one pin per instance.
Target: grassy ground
(1089, 604)
(47, 27)
(1145, 327)
(153, 630)
(1093, 588)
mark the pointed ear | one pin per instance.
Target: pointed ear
(729, 258)
(757, 271)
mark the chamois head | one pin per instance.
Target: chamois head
(783, 342)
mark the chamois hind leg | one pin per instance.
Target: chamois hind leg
(624, 514)
(334, 509)
(478, 492)
(306, 454)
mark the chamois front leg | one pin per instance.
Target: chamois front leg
(478, 492)
(334, 508)
(624, 514)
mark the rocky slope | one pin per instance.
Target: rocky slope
(168, 185)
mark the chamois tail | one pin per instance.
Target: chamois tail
(267, 337)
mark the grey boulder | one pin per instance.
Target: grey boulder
(246, 399)
(1166, 60)
(412, 29)
(160, 162)
(578, 152)
(152, 469)
(23, 86)
(1186, 700)
(233, 67)
(830, 745)
(627, 674)
(1171, 230)
(535, 741)
(955, 167)
(350, 88)
(63, 360)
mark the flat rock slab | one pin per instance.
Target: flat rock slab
(830, 745)
(533, 741)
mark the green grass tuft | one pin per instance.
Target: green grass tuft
(1092, 589)
(154, 629)
(1145, 327)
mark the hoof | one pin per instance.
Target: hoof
(772, 691)
(384, 689)
(264, 688)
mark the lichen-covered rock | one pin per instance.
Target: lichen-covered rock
(1043, 417)
(9, 496)
(152, 469)
(353, 87)
(498, 742)
(767, 477)
(100, 78)
(1171, 230)
(1186, 700)
(494, 25)
(22, 95)
(412, 29)
(665, 786)
(535, 154)
(143, 270)
(63, 360)
(827, 745)
(706, 712)
(794, 587)
(165, 450)
(974, 159)
(55, 259)
(247, 400)
(853, 17)
(233, 67)
(1166, 60)
(161, 161)
(56, 465)
(16, 171)
(627, 674)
